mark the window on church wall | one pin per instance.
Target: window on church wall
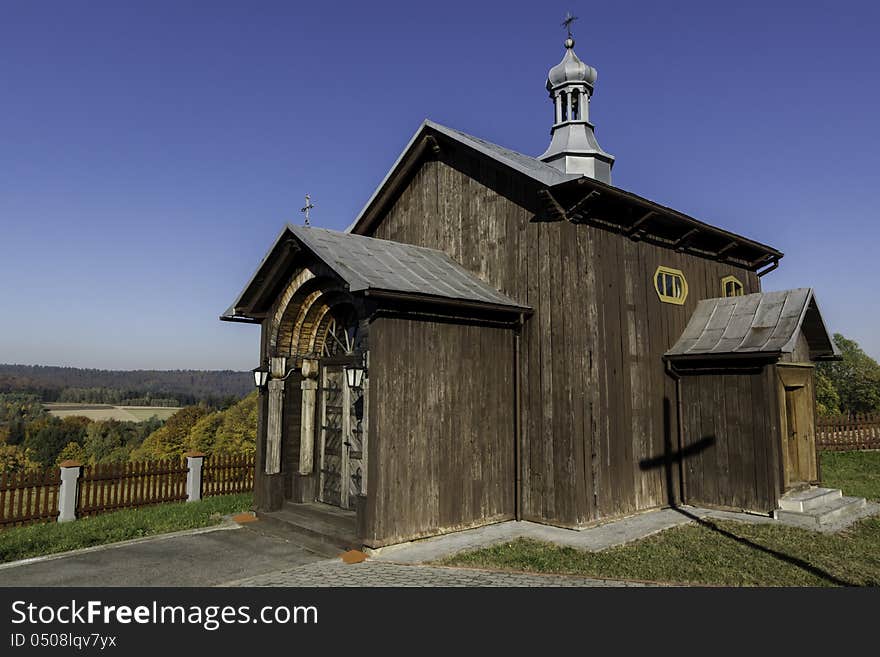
(574, 106)
(671, 285)
(564, 98)
(731, 287)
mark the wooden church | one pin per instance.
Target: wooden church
(498, 336)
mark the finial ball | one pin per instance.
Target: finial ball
(569, 43)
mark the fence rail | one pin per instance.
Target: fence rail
(855, 432)
(30, 496)
(112, 486)
(38, 496)
(224, 475)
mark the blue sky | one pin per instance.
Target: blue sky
(151, 151)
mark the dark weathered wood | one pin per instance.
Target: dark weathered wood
(594, 390)
(728, 433)
(441, 428)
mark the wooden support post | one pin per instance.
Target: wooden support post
(276, 414)
(309, 386)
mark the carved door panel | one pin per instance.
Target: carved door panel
(356, 444)
(331, 431)
(343, 439)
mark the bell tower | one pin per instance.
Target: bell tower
(573, 146)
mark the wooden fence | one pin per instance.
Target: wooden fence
(27, 497)
(224, 475)
(111, 486)
(34, 496)
(847, 432)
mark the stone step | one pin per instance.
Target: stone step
(833, 512)
(810, 498)
(270, 526)
(331, 532)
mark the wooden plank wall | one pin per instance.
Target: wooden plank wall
(735, 419)
(595, 394)
(441, 446)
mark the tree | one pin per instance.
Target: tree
(855, 378)
(171, 440)
(827, 399)
(204, 433)
(14, 459)
(44, 439)
(71, 452)
(237, 434)
(106, 441)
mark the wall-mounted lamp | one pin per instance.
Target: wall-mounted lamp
(354, 374)
(261, 377)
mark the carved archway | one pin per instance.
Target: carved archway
(315, 318)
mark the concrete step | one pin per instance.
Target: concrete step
(332, 530)
(832, 513)
(269, 526)
(808, 499)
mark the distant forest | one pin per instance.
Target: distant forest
(131, 388)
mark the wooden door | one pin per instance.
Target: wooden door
(798, 426)
(343, 439)
(355, 453)
(330, 447)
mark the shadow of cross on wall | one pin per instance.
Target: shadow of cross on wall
(672, 459)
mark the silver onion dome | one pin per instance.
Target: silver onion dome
(571, 69)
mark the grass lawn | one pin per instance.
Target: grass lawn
(724, 552)
(855, 473)
(35, 540)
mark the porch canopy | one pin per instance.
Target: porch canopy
(764, 325)
(381, 269)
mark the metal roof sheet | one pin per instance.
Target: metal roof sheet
(761, 323)
(366, 263)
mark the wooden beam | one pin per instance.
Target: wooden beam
(684, 239)
(757, 262)
(557, 212)
(575, 215)
(633, 231)
(433, 145)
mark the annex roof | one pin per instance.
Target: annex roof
(366, 264)
(765, 323)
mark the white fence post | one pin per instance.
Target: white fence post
(194, 462)
(67, 493)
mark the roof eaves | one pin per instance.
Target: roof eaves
(237, 304)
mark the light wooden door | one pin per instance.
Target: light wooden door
(798, 426)
(343, 439)
(330, 447)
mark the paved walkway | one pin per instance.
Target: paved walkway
(335, 573)
(593, 539)
(206, 558)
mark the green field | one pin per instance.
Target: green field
(98, 412)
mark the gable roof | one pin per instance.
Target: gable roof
(675, 229)
(538, 171)
(370, 265)
(764, 323)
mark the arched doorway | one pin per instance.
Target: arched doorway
(317, 328)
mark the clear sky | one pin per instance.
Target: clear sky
(151, 151)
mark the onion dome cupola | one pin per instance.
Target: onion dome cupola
(573, 146)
